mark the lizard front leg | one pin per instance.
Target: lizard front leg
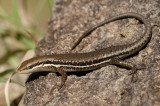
(63, 77)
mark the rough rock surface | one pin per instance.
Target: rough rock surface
(110, 85)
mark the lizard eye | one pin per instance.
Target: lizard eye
(28, 67)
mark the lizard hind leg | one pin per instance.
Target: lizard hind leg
(133, 70)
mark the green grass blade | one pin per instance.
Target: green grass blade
(5, 58)
(6, 72)
(15, 12)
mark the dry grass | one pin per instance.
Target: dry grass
(22, 24)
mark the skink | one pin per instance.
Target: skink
(71, 62)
